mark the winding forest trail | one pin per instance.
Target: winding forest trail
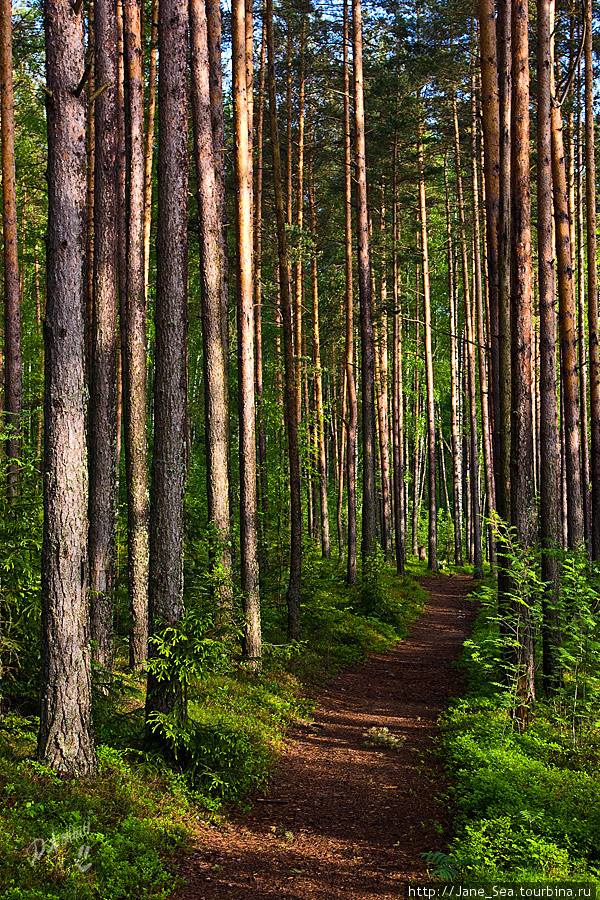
(343, 819)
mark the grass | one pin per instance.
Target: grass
(527, 804)
(123, 832)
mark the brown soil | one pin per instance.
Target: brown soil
(344, 819)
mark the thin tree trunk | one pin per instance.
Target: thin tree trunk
(490, 106)
(382, 395)
(320, 414)
(432, 554)
(583, 362)
(293, 594)
(103, 380)
(486, 429)
(149, 146)
(521, 463)
(65, 739)
(213, 19)
(470, 362)
(397, 384)
(170, 378)
(568, 333)
(456, 474)
(215, 364)
(549, 431)
(592, 283)
(369, 501)
(349, 349)
(258, 351)
(134, 362)
(245, 316)
(13, 361)
(298, 295)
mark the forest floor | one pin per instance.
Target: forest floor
(344, 818)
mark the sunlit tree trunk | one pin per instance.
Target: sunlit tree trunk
(521, 462)
(592, 282)
(149, 145)
(134, 368)
(397, 385)
(320, 414)
(470, 362)
(13, 361)
(454, 432)
(369, 500)
(245, 319)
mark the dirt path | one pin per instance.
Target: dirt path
(342, 819)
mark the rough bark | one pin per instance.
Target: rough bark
(170, 377)
(66, 739)
(382, 393)
(215, 364)
(521, 461)
(549, 430)
(397, 386)
(568, 333)
(134, 362)
(102, 427)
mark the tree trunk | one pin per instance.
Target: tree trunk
(521, 463)
(134, 362)
(293, 594)
(382, 396)
(245, 317)
(592, 283)
(582, 361)
(349, 348)
(102, 427)
(65, 740)
(549, 431)
(298, 294)
(397, 385)
(432, 555)
(568, 334)
(170, 375)
(149, 146)
(454, 433)
(320, 414)
(215, 364)
(490, 106)
(486, 429)
(258, 352)
(13, 361)
(369, 500)
(470, 361)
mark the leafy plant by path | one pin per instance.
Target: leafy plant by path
(382, 737)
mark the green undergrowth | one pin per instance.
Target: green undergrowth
(527, 803)
(122, 831)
